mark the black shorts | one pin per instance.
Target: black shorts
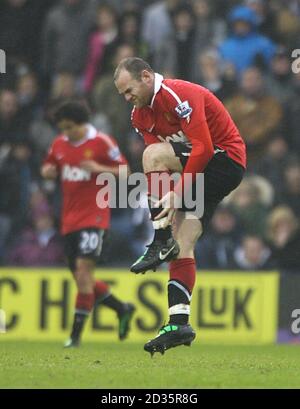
(84, 243)
(221, 176)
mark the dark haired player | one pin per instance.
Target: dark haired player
(78, 155)
(189, 131)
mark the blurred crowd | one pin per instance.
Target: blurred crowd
(239, 49)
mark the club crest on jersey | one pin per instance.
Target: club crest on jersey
(184, 110)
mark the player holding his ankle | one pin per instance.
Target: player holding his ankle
(186, 129)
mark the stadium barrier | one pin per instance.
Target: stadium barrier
(227, 307)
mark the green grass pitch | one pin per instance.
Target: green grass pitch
(126, 365)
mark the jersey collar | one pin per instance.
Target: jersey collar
(91, 131)
(158, 79)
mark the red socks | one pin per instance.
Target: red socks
(184, 271)
(101, 289)
(159, 183)
(180, 287)
(84, 302)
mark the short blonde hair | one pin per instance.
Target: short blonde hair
(278, 215)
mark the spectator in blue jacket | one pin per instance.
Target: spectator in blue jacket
(245, 46)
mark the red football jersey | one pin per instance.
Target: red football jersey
(181, 111)
(79, 187)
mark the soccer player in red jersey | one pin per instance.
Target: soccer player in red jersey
(77, 156)
(187, 130)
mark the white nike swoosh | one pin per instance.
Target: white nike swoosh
(164, 256)
(151, 129)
